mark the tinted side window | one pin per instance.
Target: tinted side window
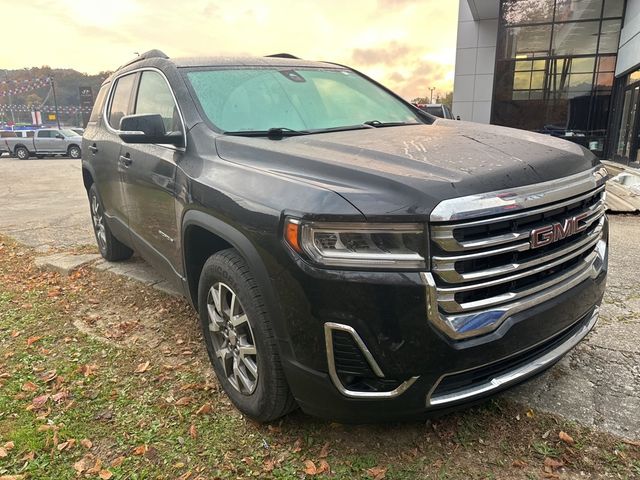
(120, 100)
(154, 96)
(99, 103)
(30, 134)
(45, 134)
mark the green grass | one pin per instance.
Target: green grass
(120, 411)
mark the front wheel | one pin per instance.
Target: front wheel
(110, 247)
(74, 151)
(240, 340)
(22, 153)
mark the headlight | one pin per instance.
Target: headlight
(359, 245)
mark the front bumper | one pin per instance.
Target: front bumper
(438, 374)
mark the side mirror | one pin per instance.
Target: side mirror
(147, 128)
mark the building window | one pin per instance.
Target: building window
(555, 67)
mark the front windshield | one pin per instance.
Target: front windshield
(68, 133)
(304, 99)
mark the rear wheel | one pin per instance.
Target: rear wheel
(110, 247)
(240, 340)
(22, 153)
(74, 151)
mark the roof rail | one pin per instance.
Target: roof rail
(283, 55)
(155, 53)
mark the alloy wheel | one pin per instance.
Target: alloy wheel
(232, 338)
(98, 223)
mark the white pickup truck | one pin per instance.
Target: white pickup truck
(46, 141)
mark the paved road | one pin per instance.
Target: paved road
(43, 204)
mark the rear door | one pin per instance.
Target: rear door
(149, 179)
(101, 148)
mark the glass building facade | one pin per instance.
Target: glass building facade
(554, 68)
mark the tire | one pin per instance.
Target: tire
(74, 152)
(110, 247)
(264, 394)
(21, 153)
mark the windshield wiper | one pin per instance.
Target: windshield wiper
(275, 133)
(378, 123)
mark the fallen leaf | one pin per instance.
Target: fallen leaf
(29, 456)
(29, 387)
(9, 446)
(635, 443)
(105, 474)
(143, 367)
(116, 462)
(377, 473)
(310, 467)
(49, 376)
(11, 477)
(184, 401)
(15, 333)
(204, 409)
(39, 402)
(566, 438)
(83, 464)
(87, 370)
(58, 397)
(268, 465)
(518, 464)
(3, 452)
(551, 464)
(324, 451)
(530, 413)
(97, 467)
(140, 450)
(323, 467)
(32, 340)
(86, 443)
(193, 433)
(297, 446)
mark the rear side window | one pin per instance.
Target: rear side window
(436, 111)
(30, 134)
(154, 96)
(99, 103)
(120, 100)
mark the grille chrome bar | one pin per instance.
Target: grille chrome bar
(443, 235)
(445, 266)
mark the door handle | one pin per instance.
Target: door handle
(125, 160)
(93, 148)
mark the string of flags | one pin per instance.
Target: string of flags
(24, 86)
(45, 108)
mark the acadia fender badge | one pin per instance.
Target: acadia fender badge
(539, 237)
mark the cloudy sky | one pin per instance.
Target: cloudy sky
(409, 45)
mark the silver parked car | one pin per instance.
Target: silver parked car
(47, 141)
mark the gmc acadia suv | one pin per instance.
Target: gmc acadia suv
(346, 252)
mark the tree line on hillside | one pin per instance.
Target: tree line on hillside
(67, 83)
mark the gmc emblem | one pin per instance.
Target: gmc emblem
(549, 234)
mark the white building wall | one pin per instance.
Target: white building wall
(629, 51)
(475, 59)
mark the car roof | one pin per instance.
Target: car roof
(248, 62)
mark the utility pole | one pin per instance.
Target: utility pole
(55, 100)
(431, 89)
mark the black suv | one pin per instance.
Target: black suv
(347, 252)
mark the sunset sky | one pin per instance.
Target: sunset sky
(409, 45)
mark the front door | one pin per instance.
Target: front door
(629, 138)
(149, 180)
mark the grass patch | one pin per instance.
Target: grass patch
(77, 400)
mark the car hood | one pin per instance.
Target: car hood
(408, 170)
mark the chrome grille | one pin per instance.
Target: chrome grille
(485, 269)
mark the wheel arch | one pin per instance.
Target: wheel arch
(87, 177)
(198, 226)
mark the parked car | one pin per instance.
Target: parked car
(437, 110)
(345, 251)
(46, 141)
